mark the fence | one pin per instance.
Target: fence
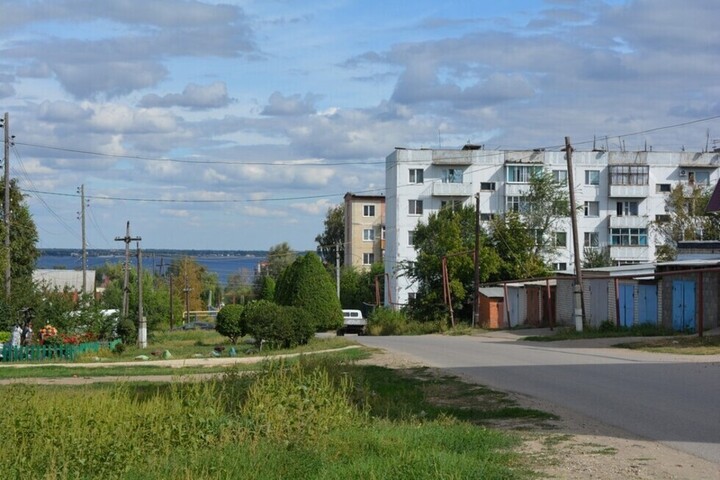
(66, 352)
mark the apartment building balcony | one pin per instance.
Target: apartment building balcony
(516, 189)
(443, 189)
(629, 191)
(630, 253)
(451, 157)
(628, 221)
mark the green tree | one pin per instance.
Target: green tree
(230, 322)
(306, 284)
(357, 286)
(333, 235)
(546, 206)
(239, 288)
(515, 245)
(449, 234)
(23, 250)
(279, 257)
(686, 220)
(267, 288)
(596, 257)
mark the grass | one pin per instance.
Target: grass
(684, 345)
(143, 369)
(605, 331)
(318, 418)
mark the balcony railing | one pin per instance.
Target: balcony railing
(440, 189)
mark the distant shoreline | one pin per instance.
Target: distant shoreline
(104, 252)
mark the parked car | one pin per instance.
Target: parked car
(353, 322)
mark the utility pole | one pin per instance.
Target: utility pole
(172, 315)
(337, 269)
(126, 281)
(576, 243)
(81, 190)
(187, 290)
(142, 323)
(6, 126)
(476, 277)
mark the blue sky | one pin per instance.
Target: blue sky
(237, 125)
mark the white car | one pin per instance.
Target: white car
(353, 322)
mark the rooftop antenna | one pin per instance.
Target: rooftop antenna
(439, 139)
(707, 140)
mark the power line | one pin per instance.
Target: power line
(231, 200)
(283, 163)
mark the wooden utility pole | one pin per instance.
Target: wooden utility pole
(142, 323)
(172, 315)
(476, 267)
(6, 127)
(84, 243)
(187, 290)
(576, 242)
(126, 281)
(337, 269)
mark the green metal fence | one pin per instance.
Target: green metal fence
(67, 352)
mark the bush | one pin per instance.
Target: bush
(276, 325)
(385, 321)
(230, 322)
(127, 331)
(308, 285)
(5, 337)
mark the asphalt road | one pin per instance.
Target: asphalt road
(672, 399)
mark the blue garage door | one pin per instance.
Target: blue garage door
(626, 304)
(683, 305)
(647, 304)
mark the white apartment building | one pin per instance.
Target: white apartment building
(620, 194)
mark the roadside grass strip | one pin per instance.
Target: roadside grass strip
(315, 418)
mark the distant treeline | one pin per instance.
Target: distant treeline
(99, 252)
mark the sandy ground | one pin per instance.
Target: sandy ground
(573, 447)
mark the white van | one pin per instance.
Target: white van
(353, 322)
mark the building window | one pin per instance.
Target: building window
(415, 207)
(416, 175)
(560, 176)
(411, 237)
(560, 239)
(412, 296)
(625, 209)
(515, 204)
(486, 217)
(591, 240)
(368, 235)
(698, 177)
(537, 236)
(382, 232)
(662, 187)
(368, 210)
(560, 266)
(368, 258)
(592, 209)
(592, 177)
(665, 218)
(629, 174)
(451, 204)
(452, 175)
(487, 186)
(522, 173)
(628, 236)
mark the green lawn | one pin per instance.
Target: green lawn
(684, 345)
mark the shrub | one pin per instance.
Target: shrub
(127, 331)
(230, 322)
(5, 337)
(308, 285)
(279, 326)
(385, 321)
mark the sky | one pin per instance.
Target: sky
(237, 125)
